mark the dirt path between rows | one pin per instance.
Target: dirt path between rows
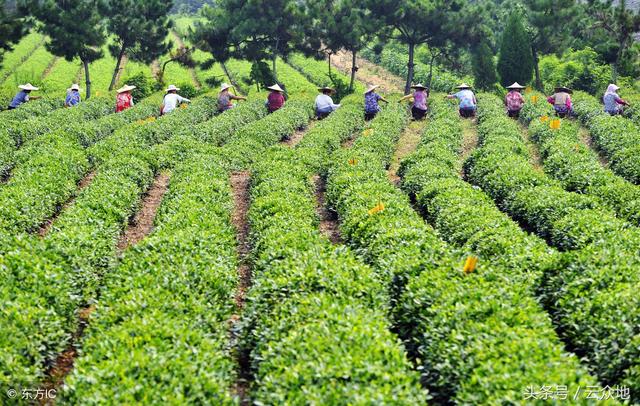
(534, 152)
(84, 182)
(142, 223)
(155, 68)
(469, 143)
(586, 139)
(192, 71)
(47, 71)
(329, 224)
(407, 143)
(140, 227)
(240, 186)
(123, 64)
(65, 361)
(369, 73)
(297, 136)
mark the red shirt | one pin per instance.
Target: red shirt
(123, 102)
(275, 101)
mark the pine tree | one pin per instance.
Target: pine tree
(139, 27)
(515, 63)
(484, 67)
(74, 29)
(12, 27)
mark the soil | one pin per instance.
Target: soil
(155, 68)
(368, 72)
(585, 137)
(469, 142)
(123, 64)
(84, 182)
(63, 364)
(192, 71)
(240, 184)
(409, 140)
(50, 67)
(329, 224)
(294, 139)
(142, 223)
(348, 143)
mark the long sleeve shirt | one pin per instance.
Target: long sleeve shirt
(275, 101)
(324, 103)
(171, 102)
(560, 99)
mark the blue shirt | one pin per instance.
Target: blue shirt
(21, 97)
(371, 102)
(73, 98)
(611, 104)
(466, 98)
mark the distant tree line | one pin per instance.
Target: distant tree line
(465, 35)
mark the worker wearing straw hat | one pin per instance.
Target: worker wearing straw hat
(468, 103)
(23, 96)
(324, 103)
(73, 96)
(613, 104)
(561, 101)
(276, 98)
(371, 99)
(514, 100)
(124, 99)
(419, 97)
(225, 97)
(172, 100)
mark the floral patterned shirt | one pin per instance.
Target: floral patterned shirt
(371, 102)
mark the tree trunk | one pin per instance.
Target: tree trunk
(275, 58)
(87, 79)
(117, 69)
(353, 70)
(410, 65)
(226, 72)
(164, 67)
(536, 68)
(329, 62)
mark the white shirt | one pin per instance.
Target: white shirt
(171, 101)
(323, 101)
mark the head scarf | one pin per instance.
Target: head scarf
(612, 89)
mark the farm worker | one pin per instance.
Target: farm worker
(612, 102)
(420, 95)
(561, 101)
(324, 103)
(23, 96)
(124, 99)
(73, 96)
(468, 103)
(514, 100)
(371, 99)
(171, 100)
(225, 97)
(275, 100)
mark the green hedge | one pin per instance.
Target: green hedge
(495, 307)
(14, 133)
(315, 317)
(81, 246)
(48, 168)
(162, 319)
(577, 167)
(586, 291)
(617, 137)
